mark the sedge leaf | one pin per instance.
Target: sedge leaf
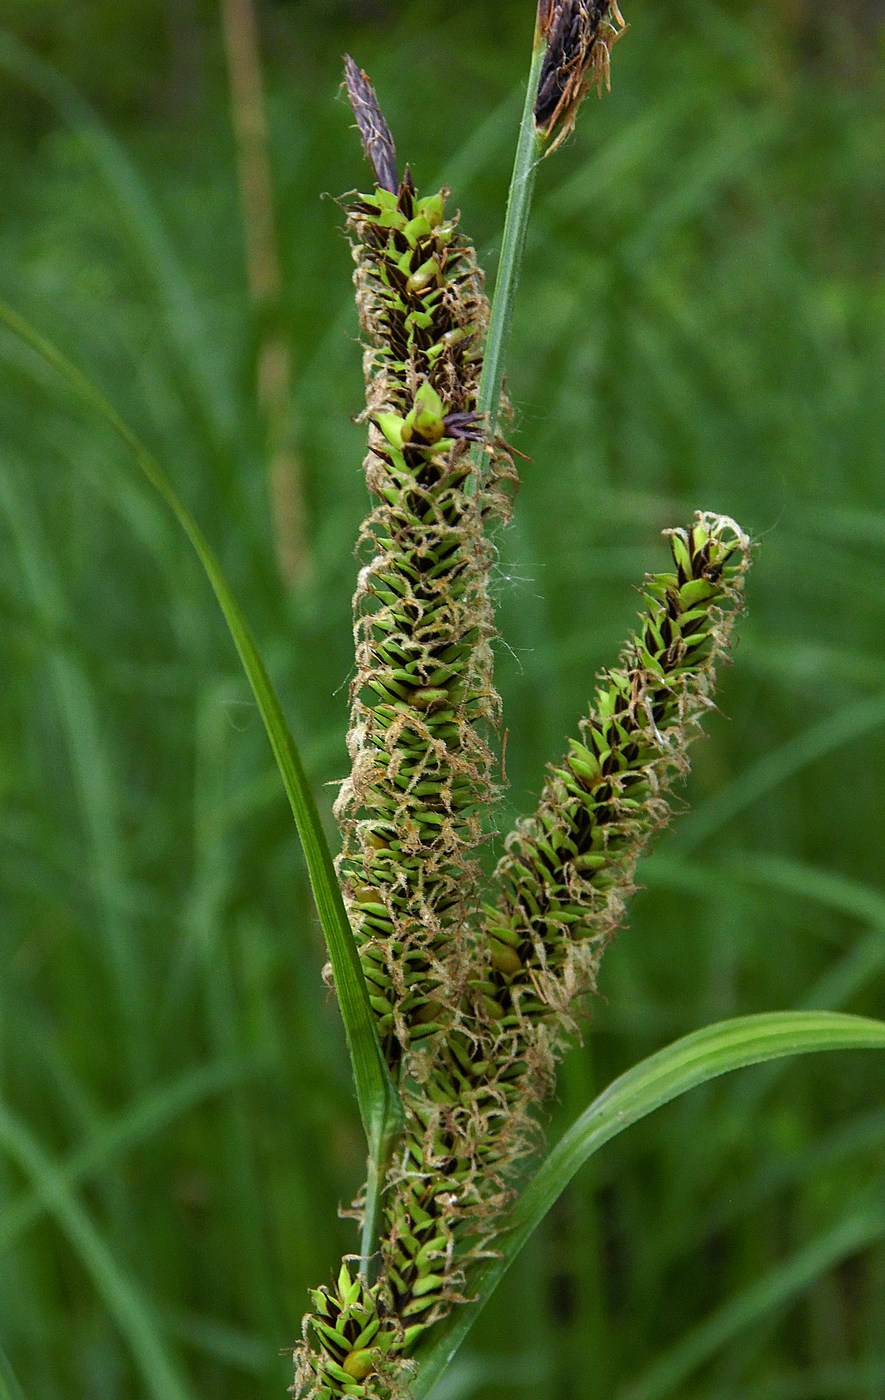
(519, 203)
(126, 1303)
(861, 1227)
(9, 1386)
(138, 215)
(696, 1058)
(376, 1094)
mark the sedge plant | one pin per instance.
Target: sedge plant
(459, 991)
(476, 986)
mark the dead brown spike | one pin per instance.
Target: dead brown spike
(579, 35)
(374, 132)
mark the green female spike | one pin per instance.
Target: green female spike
(563, 886)
(422, 703)
(569, 868)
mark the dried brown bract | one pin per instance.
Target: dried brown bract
(579, 35)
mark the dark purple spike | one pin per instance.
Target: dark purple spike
(570, 28)
(545, 17)
(374, 132)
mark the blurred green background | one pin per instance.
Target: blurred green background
(700, 325)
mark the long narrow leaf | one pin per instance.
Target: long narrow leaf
(150, 1114)
(813, 744)
(693, 1060)
(376, 1094)
(92, 774)
(748, 1309)
(141, 219)
(519, 203)
(9, 1386)
(124, 1301)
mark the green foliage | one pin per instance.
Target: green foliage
(662, 1077)
(699, 321)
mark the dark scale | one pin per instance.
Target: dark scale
(574, 30)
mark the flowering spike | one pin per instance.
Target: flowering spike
(476, 1002)
(348, 1342)
(569, 869)
(374, 132)
(579, 36)
(422, 703)
(562, 887)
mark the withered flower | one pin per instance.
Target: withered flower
(579, 36)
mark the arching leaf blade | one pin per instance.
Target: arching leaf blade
(123, 1298)
(376, 1094)
(687, 1063)
(9, 1386)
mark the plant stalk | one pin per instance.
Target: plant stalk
(265, 280)
(519, 201)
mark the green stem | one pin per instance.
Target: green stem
(519, 201)
(380, 1153)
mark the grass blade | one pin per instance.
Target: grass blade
(866, 1380)
(774, 1290)
(130, 1309)
(519, 202)
(9, 1386)
(376, 1094)
(812, 744)
(146, 1117)
(688, 1062)
(92, 767)
(140, 218)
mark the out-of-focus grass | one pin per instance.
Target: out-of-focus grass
(700, 325)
